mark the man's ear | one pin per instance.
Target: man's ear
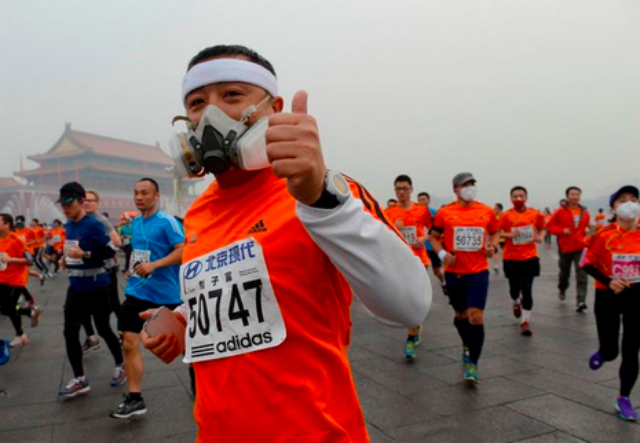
(277, 104)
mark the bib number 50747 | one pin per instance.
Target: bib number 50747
(208, 307)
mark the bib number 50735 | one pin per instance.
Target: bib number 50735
(207, 307)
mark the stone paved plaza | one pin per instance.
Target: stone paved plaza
(534, 390)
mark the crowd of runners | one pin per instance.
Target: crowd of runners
(253, 289)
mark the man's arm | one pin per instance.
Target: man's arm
(553, 227)
(383, 273)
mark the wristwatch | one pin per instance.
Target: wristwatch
(336, 191)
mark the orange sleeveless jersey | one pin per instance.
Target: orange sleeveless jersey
(302, 390)
(416, 216)
(16, 273)
(477, 215)
(513, 219)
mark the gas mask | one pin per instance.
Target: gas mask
(218, 142)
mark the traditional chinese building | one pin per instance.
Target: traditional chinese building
(107, 165)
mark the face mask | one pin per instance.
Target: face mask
(518, 204)
(628, 211)
(468, 193)
(219, 142)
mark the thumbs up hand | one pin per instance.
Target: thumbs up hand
(293, 149)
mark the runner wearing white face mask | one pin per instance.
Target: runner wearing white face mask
(470, 231)
(613, 259)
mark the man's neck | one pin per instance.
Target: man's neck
(407, 204)
(4, 234)
(146, 213)
(463, 202)
(574, 205)
(235, 177)
(79, 217)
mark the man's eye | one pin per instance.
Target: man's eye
(230, 94)
(196, 102)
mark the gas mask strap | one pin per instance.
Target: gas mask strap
(183, 118)
(248, 112)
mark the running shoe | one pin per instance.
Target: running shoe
(444, 290)
(596, 362)
(90, 344)
(119, 376)
(129, 407)
(496, 270)
(19, 341)
(562, 295)
(525, 329)
(465, 355)
(75, 387)
(410, 349)
(517, 310)
(471, 373)
(625, 409)
(581, 307)
(418, 339)
(35, 315)
(42, 278)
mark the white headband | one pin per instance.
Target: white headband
(228, 70)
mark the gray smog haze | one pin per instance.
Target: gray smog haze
(542, 93)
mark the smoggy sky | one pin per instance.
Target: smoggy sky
(542, 93)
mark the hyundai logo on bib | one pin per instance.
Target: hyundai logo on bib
(192, 270)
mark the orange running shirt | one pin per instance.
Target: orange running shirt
(466, 230)
(301, 390)
(599, 220)
(577, 215)
(13, 274)
(529, 223)
(39, 235)
(413, 220)
(28, 237)
(57, 236)
(615, 253)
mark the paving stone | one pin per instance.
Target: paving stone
(566, 365)
(100, 430)
(42, 434)
(464, 397)
(553, 437)
(492, 425)
(584, 392)
(401, 378)
(387, 410)
(575, 419)
(488, 367)
(377, 436)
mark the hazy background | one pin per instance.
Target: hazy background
(542, 93)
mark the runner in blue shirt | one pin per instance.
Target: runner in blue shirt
(157, 242)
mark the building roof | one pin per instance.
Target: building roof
(119, 170)
(75, 142)
(9, 181)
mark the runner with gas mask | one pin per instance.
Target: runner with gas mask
(612, 258)
(470, 230)
(522, 228)
(272, 259)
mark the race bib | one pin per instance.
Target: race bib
(626, 266)
(410, 234)
(56, 239)
(232, 307)
(3, 265)
(525, 235)
(68, 244)
(468, 239)
(138, 256)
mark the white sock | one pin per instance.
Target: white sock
(526, 315)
